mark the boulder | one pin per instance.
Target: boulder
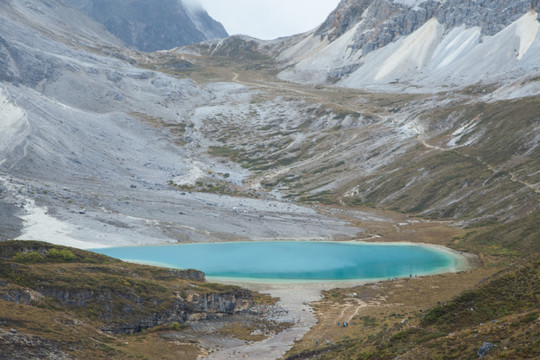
(486, 346)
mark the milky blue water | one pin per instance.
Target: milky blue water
(293, 260)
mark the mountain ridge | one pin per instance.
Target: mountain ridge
(360, 39)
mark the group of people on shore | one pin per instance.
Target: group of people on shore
(395, 278)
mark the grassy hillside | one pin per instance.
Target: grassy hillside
(475, 161)
(504, 311)
(520, 238)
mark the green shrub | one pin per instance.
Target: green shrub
(28, 257)
(177, 326)
(61, 254)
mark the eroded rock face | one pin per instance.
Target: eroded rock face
(396, 21)
(125, 300)
(123, 311)
(194, 307)
(341, 20)
(491, 16)
(189, 274)
(19, 296)
(229, 302)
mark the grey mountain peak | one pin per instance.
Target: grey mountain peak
(151, 25)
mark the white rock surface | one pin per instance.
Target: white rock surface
(430, 57)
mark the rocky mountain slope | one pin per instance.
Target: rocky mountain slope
(120, 123)
(438, 144)
(74, 99)
(153, 25)
(440, 155)
(406, 45)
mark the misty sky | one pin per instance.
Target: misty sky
(269, 19)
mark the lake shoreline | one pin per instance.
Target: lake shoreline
(297, 298)
(462, 262)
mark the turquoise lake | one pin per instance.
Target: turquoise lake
(292, 260)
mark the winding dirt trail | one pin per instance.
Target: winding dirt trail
(513, 176)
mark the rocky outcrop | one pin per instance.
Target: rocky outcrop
(194, 307)
(15, 345)
(153, 25)
(385, 21)
(19, 296)
(228, 302)
(128, 312)
(347, 14)
(189, 274)
(378, 22)
(127, 299)
(491, 16)
(486, 346)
